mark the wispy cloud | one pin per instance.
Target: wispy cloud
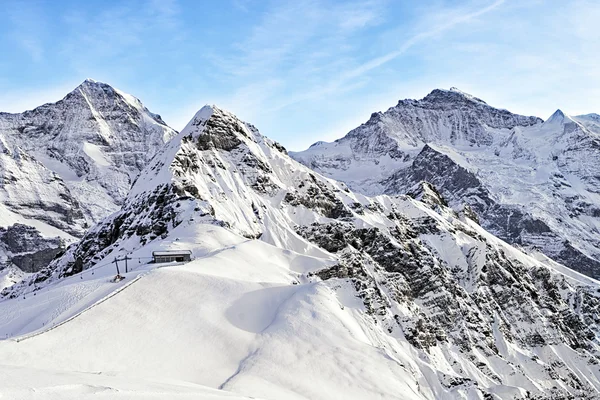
(289, 31)
(344, 77)
(419, 37)
(304, 41)
(242, 5)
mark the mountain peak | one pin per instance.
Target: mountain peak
(451, 95)
(200, 118)
(90, 90)
(219, 129)
(100, 95)
(557, 117)
(91, 83)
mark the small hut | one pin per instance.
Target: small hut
(165, 256)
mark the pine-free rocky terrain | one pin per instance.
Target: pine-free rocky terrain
(427, 282)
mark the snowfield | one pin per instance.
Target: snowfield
(241, 317)
(236, 318)
(20, 383)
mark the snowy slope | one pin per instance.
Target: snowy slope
(302, 289)
(35, 384)
(68, 164)
(202, 322)
(530, 182)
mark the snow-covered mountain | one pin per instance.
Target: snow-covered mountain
(532, 183)
(303, 289)
(64, 166)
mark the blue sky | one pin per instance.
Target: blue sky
(303, 70)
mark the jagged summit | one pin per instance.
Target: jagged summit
(557, 117)
(452, 95)
(92, 86)
(88, 82)
(559, 124)
(201, 117)
(104, 96)
(220, 129)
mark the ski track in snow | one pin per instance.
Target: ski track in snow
(112, 294)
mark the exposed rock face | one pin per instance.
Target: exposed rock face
(71, 163)
(529, 182)
(25, 247)
(34, 262)
(482, 319)
(26, 239)
(512, 223)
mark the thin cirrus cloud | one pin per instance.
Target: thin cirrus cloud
(346, 76)
(300, 32)
(304, 70)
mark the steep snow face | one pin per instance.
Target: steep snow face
(301, 288)
(532, 183)
(71, 163)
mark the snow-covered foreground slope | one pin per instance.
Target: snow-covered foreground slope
(532, 183)
(20, 383)
(302, 289)
(69, 164)
(231, 319)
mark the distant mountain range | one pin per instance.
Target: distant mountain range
(369, 269)
(530, 182)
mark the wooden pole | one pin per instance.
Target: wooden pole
(117, 265)
(126, 258)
